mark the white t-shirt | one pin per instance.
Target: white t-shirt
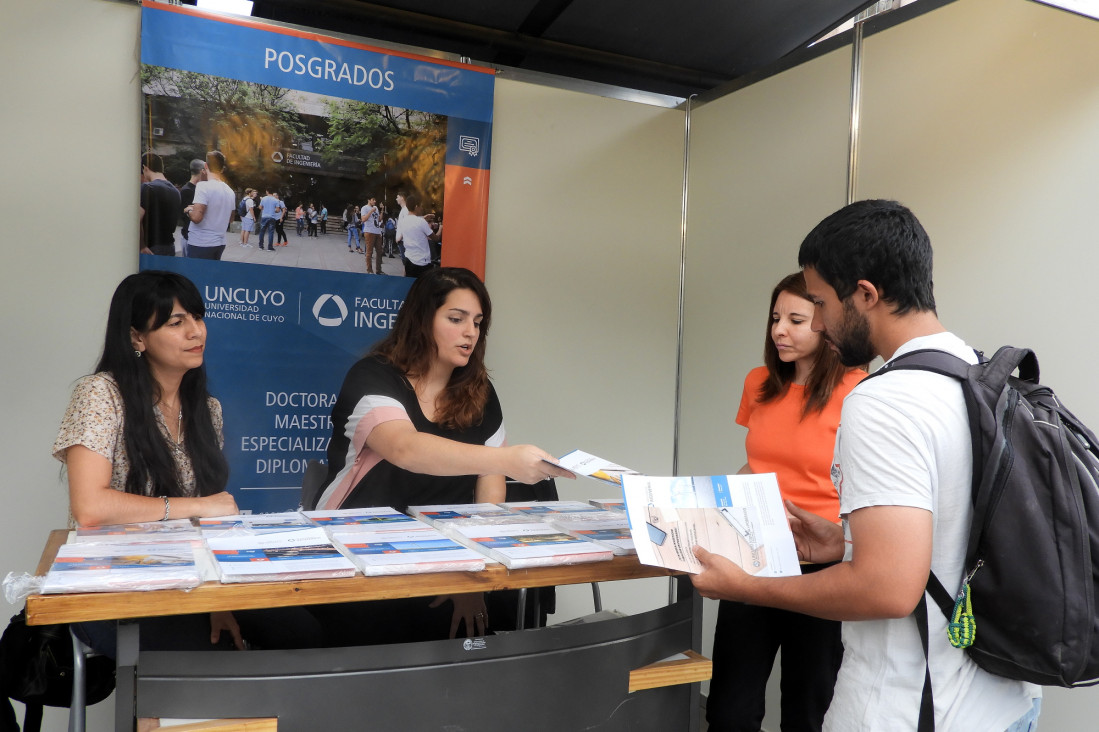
(371, 225)
(416, 247)
(904, 441)
(220, 202)
(249, 208)
(400, 224)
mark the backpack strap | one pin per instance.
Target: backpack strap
(927, 698)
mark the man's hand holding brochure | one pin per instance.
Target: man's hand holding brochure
(740, 517)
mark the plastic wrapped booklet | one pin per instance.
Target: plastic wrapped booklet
(409, 551)
(365, 519)
(254, 523)
(606, 528)
(123, 567)
(145, 532)
(542, 509)
(740, 517)
(451, 511)
(527, 544)
(278, 556)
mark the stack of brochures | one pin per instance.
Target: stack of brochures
(99, 567)
(407, 550)
(607, 528)
(146, 532)
(609, 504)
(455, 511)
(254, 523)
(364, 519)
(305, 553)
(523, 544)
(542, 509)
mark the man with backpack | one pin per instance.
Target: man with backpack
(903, 468)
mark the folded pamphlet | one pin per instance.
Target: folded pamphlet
(595, 467)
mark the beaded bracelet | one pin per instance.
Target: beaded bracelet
(167, 508)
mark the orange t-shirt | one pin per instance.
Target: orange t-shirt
(798, 450)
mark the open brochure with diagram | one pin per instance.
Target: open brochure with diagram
(98, 567)
(740, 517)
(278, 556)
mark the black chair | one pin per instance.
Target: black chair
(311, 482)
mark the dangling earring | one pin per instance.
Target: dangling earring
(137, 353)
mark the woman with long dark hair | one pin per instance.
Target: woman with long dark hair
(141, 441)
(791, 407)
(417, 422)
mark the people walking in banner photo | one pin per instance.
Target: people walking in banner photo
(311, 218)
(247, 212)
(299, 218)
(417, 422)
(323, 215)
(791, 408)
(351, 223)
(372, 235)
(211, 211)
(187, 197)
(160, 206)
(279, 230)
(141, 440)
(417, 236)
(270, 208)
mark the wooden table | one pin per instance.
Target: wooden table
(163, 684)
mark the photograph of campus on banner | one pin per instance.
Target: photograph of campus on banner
(324, 158)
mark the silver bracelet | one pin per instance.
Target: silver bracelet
(167, 508)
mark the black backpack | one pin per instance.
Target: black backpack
(1026, 609)
(242, 207)
(36, 667)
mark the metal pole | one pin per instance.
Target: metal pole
(856, 104)
(682, 289)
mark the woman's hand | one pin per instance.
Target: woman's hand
(530, 464)
(224, 621)
(218, 504)
(469, 607)
(817, 539)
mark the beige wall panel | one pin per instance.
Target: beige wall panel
(69, 124)
(982, 117)
(767, 163)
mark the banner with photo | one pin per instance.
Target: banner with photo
(328, 128)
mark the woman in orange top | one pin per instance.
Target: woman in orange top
(791, 407)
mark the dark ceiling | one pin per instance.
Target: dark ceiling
(670, 48)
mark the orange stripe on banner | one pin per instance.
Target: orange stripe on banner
(260, 25)
(465, 218)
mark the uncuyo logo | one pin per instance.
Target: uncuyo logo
(330, 321)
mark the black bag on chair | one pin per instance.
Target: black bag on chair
(36, 668)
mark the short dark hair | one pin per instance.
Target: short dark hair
(197, 166)
(215, 161)
(875, 240)
(153, 162)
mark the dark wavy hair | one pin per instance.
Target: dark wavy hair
(411, 347)
(827, 370)
(875, 240)
(144, 302)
